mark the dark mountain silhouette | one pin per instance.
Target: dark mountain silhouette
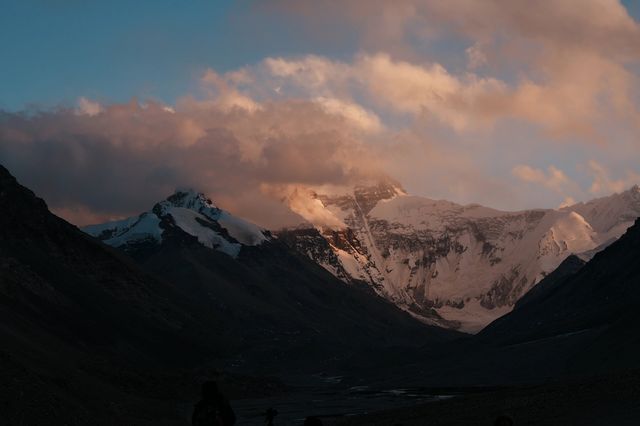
(84, 331)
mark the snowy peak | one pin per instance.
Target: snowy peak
(322, 207)
(190, 212)
(368, 196)
(610, 215)
(569, 234)
(362, 197)
(192, 200)
(454, 265)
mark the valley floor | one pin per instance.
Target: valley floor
(611, 400)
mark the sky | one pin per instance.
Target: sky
(107, 107)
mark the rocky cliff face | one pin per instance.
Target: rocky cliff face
(452, 265)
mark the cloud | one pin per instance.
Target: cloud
(451, 97)
(88, 107)
(603, 183)
(568, 201)
(224, 92)
(129, 156)
(302, 200)
(602, 25)
(569, 70)
(352, 112)
(576, 97)
(392, 86)
(554, 178)
(476, 58)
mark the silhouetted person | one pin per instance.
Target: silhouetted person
(213, 409)
(269, 416)
(503, 421)
(312, 421)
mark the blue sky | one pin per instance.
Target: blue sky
(55, 51)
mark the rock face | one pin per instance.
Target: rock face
(452, 265)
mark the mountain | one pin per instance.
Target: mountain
(580, 321)
(578, 325)
(90, 337)
(451, 265)
(276, 309)
(599, 298)
(192, 213)
(87, 336)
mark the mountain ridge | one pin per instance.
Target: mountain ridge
(188, 245)
(450, 265)
(458, 266)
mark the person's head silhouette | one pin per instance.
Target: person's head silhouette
(503, 421)
(209, 390)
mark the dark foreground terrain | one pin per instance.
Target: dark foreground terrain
(603, 401)
(89, 335)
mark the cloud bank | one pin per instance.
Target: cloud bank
(500, 102)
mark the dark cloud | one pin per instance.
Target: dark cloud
(122, 160)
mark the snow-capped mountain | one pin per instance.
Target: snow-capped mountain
(453, 265)
(272, 307)
(194, 214)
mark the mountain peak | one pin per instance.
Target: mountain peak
(384, 186)
(190, 199)
(383, 189)
(191, 212)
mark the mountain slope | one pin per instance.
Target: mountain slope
(272, 303)
(86, 335)
(602, 296)
(579, 322)
(452, 265)
(194, 214)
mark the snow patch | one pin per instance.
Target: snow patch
(245, 232)
(473, 317)
(130, 230)
(187, 220)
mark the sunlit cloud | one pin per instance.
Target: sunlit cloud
(88, 107)
(554, 178)
(510, 89)
(603, 183)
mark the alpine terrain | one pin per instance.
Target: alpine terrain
(90, 337)
(458, 266)
(270, 302)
